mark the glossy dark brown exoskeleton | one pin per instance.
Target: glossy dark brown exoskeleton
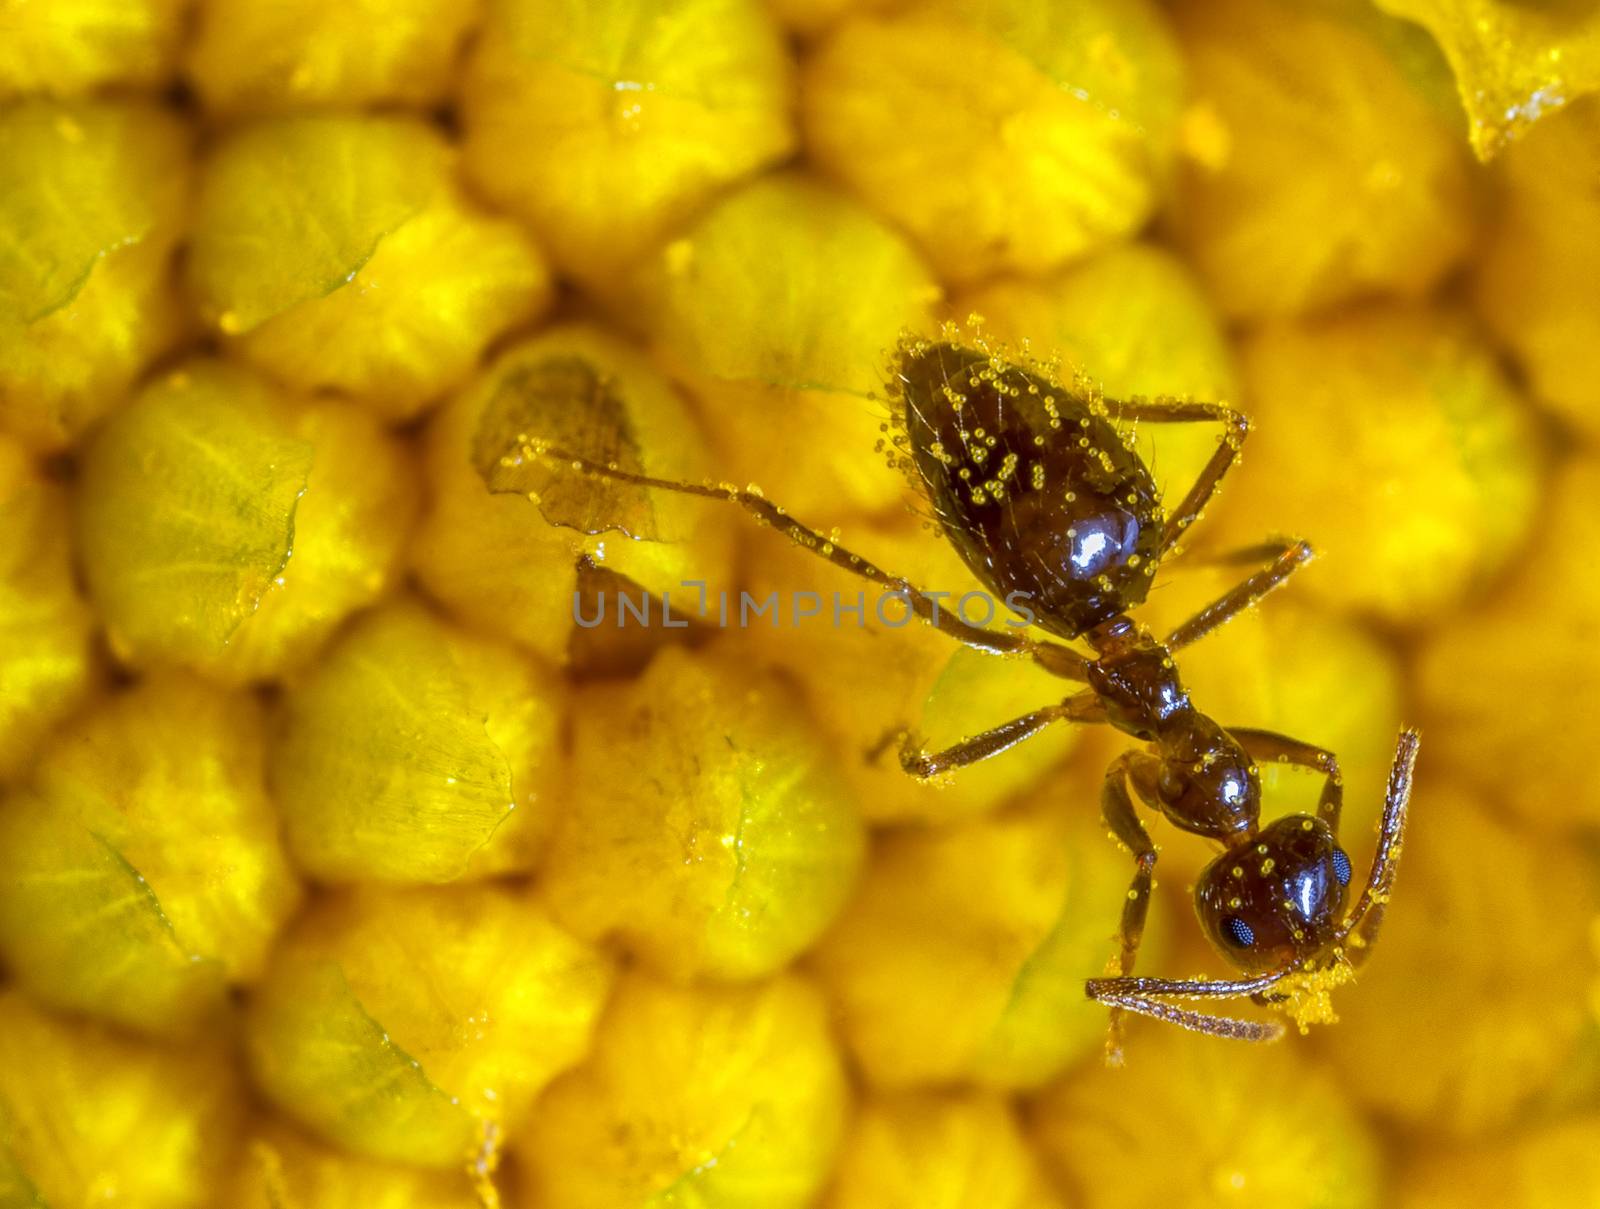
(1050, 506)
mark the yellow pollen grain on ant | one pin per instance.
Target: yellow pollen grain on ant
(1267, 866)
(1307, 825)
(1235, 903)
(1236, 871)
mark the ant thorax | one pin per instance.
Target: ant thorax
(1136, 679)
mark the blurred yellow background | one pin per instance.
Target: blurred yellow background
(340, 867)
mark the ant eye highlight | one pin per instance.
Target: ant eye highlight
(1341, 866)
(1239, 932)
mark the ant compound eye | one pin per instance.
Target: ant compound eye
(1239, 932)
(1341, 866)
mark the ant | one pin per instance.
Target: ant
(1047, 501)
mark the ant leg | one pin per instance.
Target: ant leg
(1235, 429)
(1117, 809)
(1198, 1022)
(1287, 558)
(1240, 556)
(1052, 657)
(1263, 745)
(1085, 707)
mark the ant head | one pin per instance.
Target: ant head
(1267, 902)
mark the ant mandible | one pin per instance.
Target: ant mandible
(1045, 500)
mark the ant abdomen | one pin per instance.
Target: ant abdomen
(1044, 499)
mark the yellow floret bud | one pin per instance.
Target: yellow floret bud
(418, 1026)
(92, 196)
(91, 1118)
(1016, 910)
(603, 124)
(1497, 918)
(1316, 171)
(283, 571)
(938, 1151)
(337, 252)
(706, 825)
(44, 625)
(1260, 1126)
(249, 57)
(1003, 135)
(785, 371)
(186, 510)
(703, 1098)
(1411, 506)
(142, 872)
(417, 752)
